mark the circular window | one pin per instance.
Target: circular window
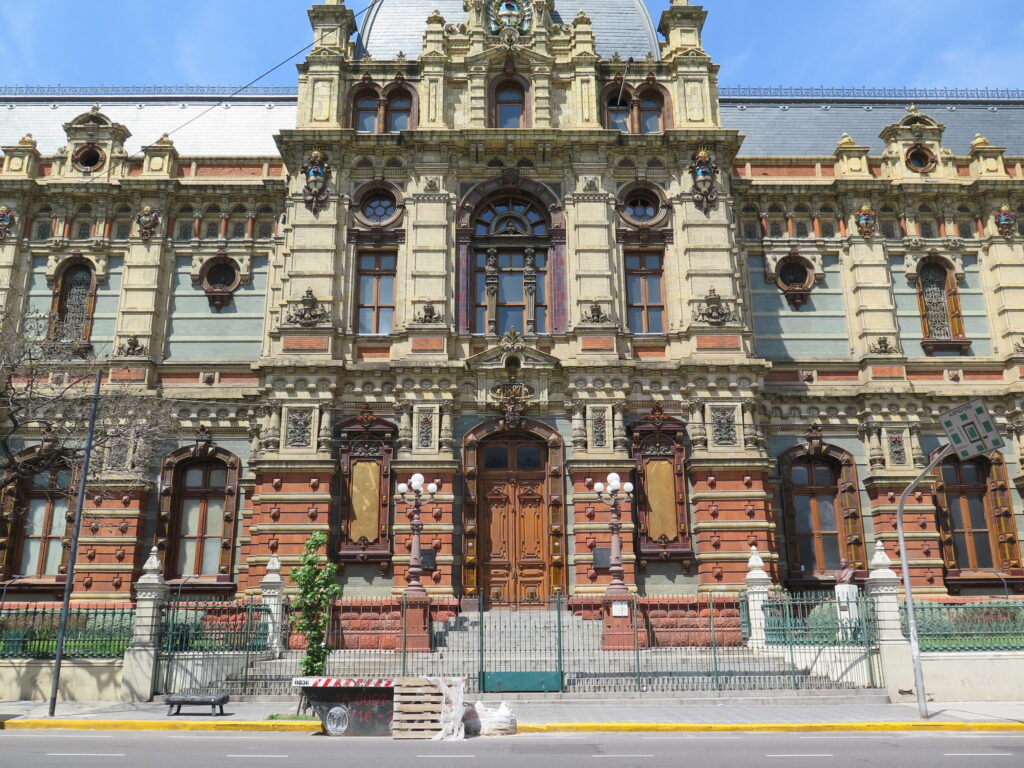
(88, 158)
(221, 276)
(378, 207)
(793, 274)
(642, 207)
(921, 159)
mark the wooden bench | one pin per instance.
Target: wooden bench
(215, 701)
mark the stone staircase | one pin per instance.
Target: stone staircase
(527, 641)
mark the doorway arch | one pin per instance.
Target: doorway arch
(514, 517)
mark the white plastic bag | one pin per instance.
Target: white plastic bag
(481, 720)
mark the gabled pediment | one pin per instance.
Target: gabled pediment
(513, 351)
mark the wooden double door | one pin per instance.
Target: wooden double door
(515, 567)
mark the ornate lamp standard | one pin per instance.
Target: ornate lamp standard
(610, 495)
(415, 495)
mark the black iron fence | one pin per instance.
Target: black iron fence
(29, 631)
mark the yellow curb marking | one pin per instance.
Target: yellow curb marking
(161, 725)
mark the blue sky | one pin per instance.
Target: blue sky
(756, 42)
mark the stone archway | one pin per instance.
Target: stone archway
(514, 516)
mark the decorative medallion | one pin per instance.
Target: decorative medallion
(714, 310)
(516, 15)
(317, 172)
(308, 313)
(512, 399)
(429, 316)
(883, 347)
(132, 348)
(1006, 222)
(705, 190)
(148, 220)
(867, 221)
(596, 314)
(6, 221)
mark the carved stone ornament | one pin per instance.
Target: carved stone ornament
(883, 347)
(595, 314)
(308, 313)
(299, 422)
(433, 185)
(723, 426)
(429, 315)
(1006, 222)
(317, 172)
(713, 310)
(131, 348)
(512, 399)
(815, 439)
(867, 221)
(512, 341)
(6, 221)
(705, 189)
(147, 220)
(897, 448)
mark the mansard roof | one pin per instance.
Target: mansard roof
(620, 26)
(775, 122)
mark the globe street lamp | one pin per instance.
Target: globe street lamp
(613, 493)
(415, 494)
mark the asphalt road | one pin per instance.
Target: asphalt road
(221, 750)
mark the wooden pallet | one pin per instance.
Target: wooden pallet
(418, 707)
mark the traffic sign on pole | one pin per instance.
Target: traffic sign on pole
(971, 430)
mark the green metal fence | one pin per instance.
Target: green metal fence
(820, 619)
(990, 625)
(204, 646)
(30, 632)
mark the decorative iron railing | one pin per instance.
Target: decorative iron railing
(819, 619)
(989, 625)
(30, 632)
(899, 94)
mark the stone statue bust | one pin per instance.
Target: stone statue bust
(845, 573)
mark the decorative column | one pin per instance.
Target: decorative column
(576, 410)
(404, 443)
(447, 434)
(138, 681)
(759, 586)
(272, 590)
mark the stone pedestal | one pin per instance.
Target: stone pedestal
(759, 587)
(623, 631)
(272, 590)
(416, 625)
(883, 587)
(138, 682)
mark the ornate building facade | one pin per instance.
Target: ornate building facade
(515, 246)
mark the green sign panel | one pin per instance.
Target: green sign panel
(521, 682)
(971, 430)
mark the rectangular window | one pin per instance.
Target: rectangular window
(265, 231)
(211, 230)
(43, 229)
(376, 307)
(123, 230)
(183, 231)
(645, 302)
(513, 287)
(237, 230)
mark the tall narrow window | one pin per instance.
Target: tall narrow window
(964, 518)
(645, 301)
(399, 112)
(41, 549)
(821, 510)
(815, 527)
(74, 305)
(510, 275)
(510, 105)
(618, 113)
(366, 114)
(376, 308)
(940, 310)
(651, 106)
(202, 508)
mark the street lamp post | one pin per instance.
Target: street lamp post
(415, 494)
(614, 493)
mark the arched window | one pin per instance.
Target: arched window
(185, 225)
(121, 228)
(43, 227)
(821, 509)
(827, 221)
(751, 223)
(965, 223)
(238, 224)
(941, 320)
(888, 225)
(398, 114)
(510, 277)
(618, 112)
(509, 105)
(43, 511)
(200, 528)
(211, 223)
(74, 302)
(365, 118)
(975, 518)
(651, 107)
(265, 223)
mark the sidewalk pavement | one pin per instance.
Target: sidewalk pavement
(538, 716)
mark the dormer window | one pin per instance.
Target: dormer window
(921, 159)
(88, 158)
